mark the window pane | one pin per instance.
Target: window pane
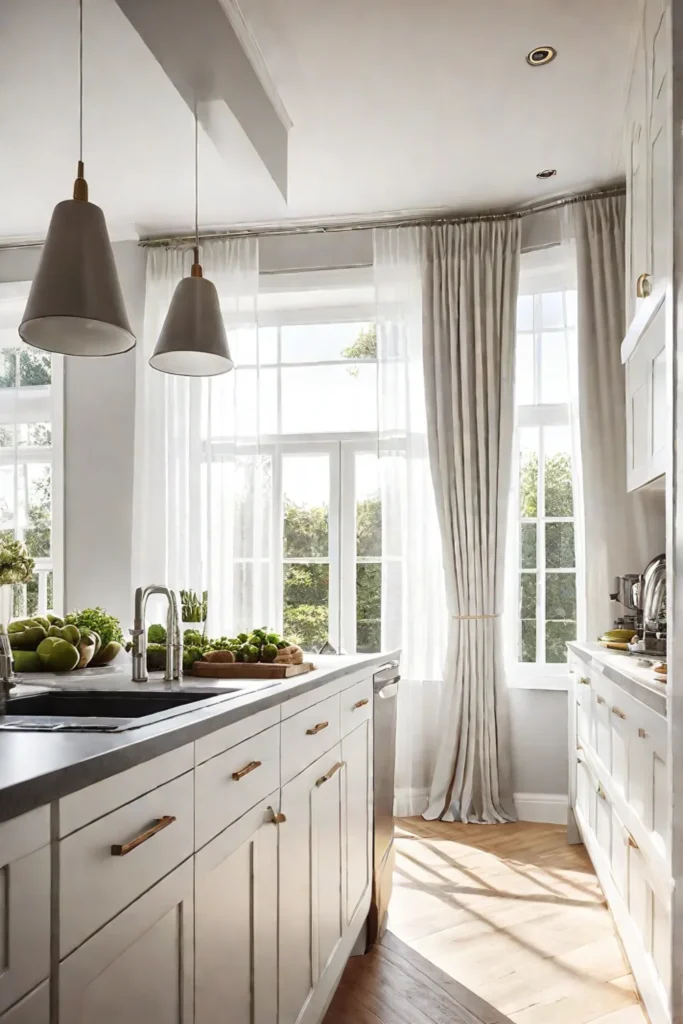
(6, 435)
(559, 546)
(315, 343)
(321, 399)
(524, 373)
(306, 499)
(560, 595)
(528, 473)
(35, 367)
(525, 312)
(527, 640)
(552, 309)
(305, 604)
(249, 347)
(7, 500)
(527, 588)
(557, 633)
(559, 499)
(34, 480)
(8, 368)
(368, 607)
(35, 435)
(368, 507)
(528, 546)
(554, 369)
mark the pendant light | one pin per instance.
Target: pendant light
(193, 342)
(75, 305)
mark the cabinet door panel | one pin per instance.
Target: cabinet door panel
(310, 894)
(33, 1009)
(138, 968)
(24, 924)
(236, 922)
(357, 753)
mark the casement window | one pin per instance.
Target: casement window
(545, 576)
(31, 455)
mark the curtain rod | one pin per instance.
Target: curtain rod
(360, 225)
(391, 221)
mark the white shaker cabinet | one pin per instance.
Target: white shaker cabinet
(33, 1009)
(644, 356)
(357, 756)
(139, 967)
(236, 921)
(24, 904)
(311, 901)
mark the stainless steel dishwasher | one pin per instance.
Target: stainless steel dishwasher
(386, 681)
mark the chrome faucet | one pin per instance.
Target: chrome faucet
(653, 594)
(6, 670)
(174, 643)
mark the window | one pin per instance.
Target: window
(544, 568)
(30, 454)
(309, 408)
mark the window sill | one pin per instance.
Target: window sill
(539, 680)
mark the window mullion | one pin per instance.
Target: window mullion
(540, 499)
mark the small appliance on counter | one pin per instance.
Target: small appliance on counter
(641, 627)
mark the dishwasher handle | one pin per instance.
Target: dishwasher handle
(388, 691)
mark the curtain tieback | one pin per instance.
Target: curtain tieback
(491, 615)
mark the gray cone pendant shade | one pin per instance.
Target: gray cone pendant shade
(75, 305)
(193, 342)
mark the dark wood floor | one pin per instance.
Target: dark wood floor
(395, 985)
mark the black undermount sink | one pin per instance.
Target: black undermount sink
(99, 711)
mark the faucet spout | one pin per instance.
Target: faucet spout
(174, 643)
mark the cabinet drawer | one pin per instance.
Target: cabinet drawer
(308, 735)
(102, 870)
(230, 735)
(356, 706)
(231, 783)
(24, 905)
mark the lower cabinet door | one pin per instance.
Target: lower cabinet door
(312, 877)
(236, 921)
(33, 1009)
(357, 755)
(138, 968)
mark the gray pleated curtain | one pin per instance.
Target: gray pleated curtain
(470, 282)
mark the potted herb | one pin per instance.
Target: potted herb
(193, 610)
(16, 566)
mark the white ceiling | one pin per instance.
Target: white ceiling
(396, 105)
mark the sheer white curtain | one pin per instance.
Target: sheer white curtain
(203, 508)
(413, 595)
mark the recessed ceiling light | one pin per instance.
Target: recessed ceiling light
(548, 173)
(541, 55)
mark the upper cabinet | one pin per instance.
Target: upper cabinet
(647, 143)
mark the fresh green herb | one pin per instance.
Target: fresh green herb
(16, 565)
(106, 626)
(193, 609)
(156, 634)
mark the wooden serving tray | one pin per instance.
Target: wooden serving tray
(246, 670)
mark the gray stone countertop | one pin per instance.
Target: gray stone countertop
(623, 669)
(37, 767)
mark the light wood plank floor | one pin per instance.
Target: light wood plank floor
(511, 912)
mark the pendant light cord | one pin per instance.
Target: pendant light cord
(80, 81)
(196, 182)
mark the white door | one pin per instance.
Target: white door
(312, 879)
(357, 755)
(138, 968)
(236, 921)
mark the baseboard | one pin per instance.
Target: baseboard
(550, 808)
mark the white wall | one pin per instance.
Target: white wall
(99, 402)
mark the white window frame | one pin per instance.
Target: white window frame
(540, 675)
(38, 407)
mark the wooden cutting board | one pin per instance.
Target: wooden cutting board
(242, 670)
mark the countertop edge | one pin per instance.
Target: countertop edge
(646, 693)
(144, 744)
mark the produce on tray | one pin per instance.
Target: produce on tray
(260, 645)
(50, 644)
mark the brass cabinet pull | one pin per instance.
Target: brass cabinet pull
(642, 734)
(600, 700)
(251, 767)
(361, 703)
(124, 848)
(632, 843)
(601, 793)
(618, 712)
(584, 681)
(643, 286)
(278, 817)
(328, 775)
(317, 728)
